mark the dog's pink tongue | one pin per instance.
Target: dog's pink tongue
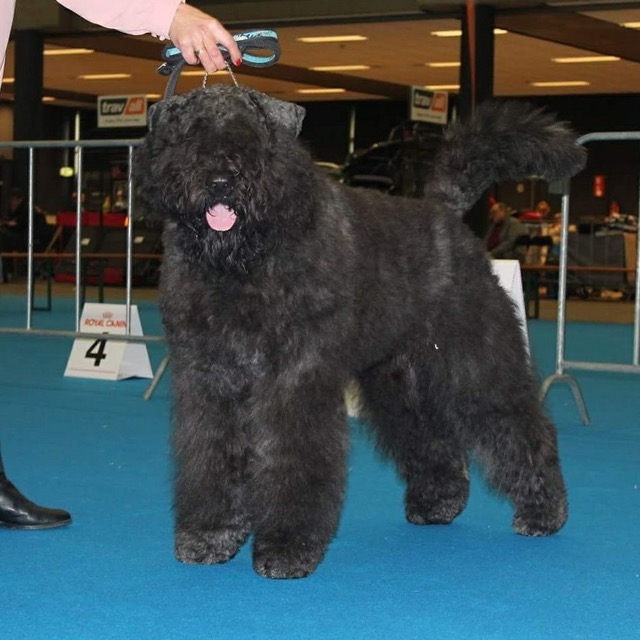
(221, 218)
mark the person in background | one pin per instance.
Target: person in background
(539, 223)
(197, 35)
(504, 231)
(14, 229)
(539, 214)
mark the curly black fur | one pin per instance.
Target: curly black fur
(314, 284)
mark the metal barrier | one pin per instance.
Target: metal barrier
(560, 374)
(79, 146)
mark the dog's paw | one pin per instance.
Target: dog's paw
(420, 509)
(195, 546)
(537, 522)
(445, 512)
(282, 557)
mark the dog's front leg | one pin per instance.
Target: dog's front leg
(211, 509)
(300, 443)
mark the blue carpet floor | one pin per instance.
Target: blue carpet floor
(99, 450)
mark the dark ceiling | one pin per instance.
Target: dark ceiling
(398, 49)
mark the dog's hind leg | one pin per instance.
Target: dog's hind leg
(517, 447)
(298, 475)
(211, 510)
(408, 421)
(484, 376)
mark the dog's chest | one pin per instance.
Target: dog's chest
(241, 316)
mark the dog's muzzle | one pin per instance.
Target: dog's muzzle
(220, 216)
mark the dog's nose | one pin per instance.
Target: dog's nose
(220, 186)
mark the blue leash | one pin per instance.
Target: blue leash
(249, 43)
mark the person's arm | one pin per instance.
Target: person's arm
(501, 250)
(194, 32)
(129, 16)
(513, 230)
(6, 18)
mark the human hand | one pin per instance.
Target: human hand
(196, 34)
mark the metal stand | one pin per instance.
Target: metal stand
(156, 378)
(575, 389)
(561, 364)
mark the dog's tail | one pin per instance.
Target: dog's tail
(502, 141)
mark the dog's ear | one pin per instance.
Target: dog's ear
(283, 114)
(153, 114)
(158, 112)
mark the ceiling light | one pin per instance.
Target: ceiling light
(321, 39)
(342, 67)
(48, 98)
(8, 80)
(336, 90)
(66, 52)
(586, 59)
(631, 25)
(105, 76)
(561, 83)
(442, 87)
(451, 33)
(441, 65)
(456, 33)
(153, 96)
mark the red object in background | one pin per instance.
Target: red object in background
(91, 219)
(599, 183)
(614, 207)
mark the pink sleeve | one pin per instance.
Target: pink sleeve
(6, 18)
(129, 16)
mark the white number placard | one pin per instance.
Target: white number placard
(106, 359)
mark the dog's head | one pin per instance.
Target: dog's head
(218, 163)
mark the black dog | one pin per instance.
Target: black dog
(279, 286)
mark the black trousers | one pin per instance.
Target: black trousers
(10, 241)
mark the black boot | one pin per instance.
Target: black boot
(18, 512)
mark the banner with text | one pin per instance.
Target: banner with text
(429, 106)
(122, 111)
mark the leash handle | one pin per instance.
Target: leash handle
(248, 42)
(256, 41)
(252, 44)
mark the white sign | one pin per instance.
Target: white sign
(429, 106)
(510, 278)
(108, 359)
(122, 111)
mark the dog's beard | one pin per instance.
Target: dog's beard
(226, 237)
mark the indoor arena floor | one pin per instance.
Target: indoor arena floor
(99, 450)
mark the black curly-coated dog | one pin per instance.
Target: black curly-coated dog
(279, 285)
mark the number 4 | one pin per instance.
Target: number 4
(97, 352)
